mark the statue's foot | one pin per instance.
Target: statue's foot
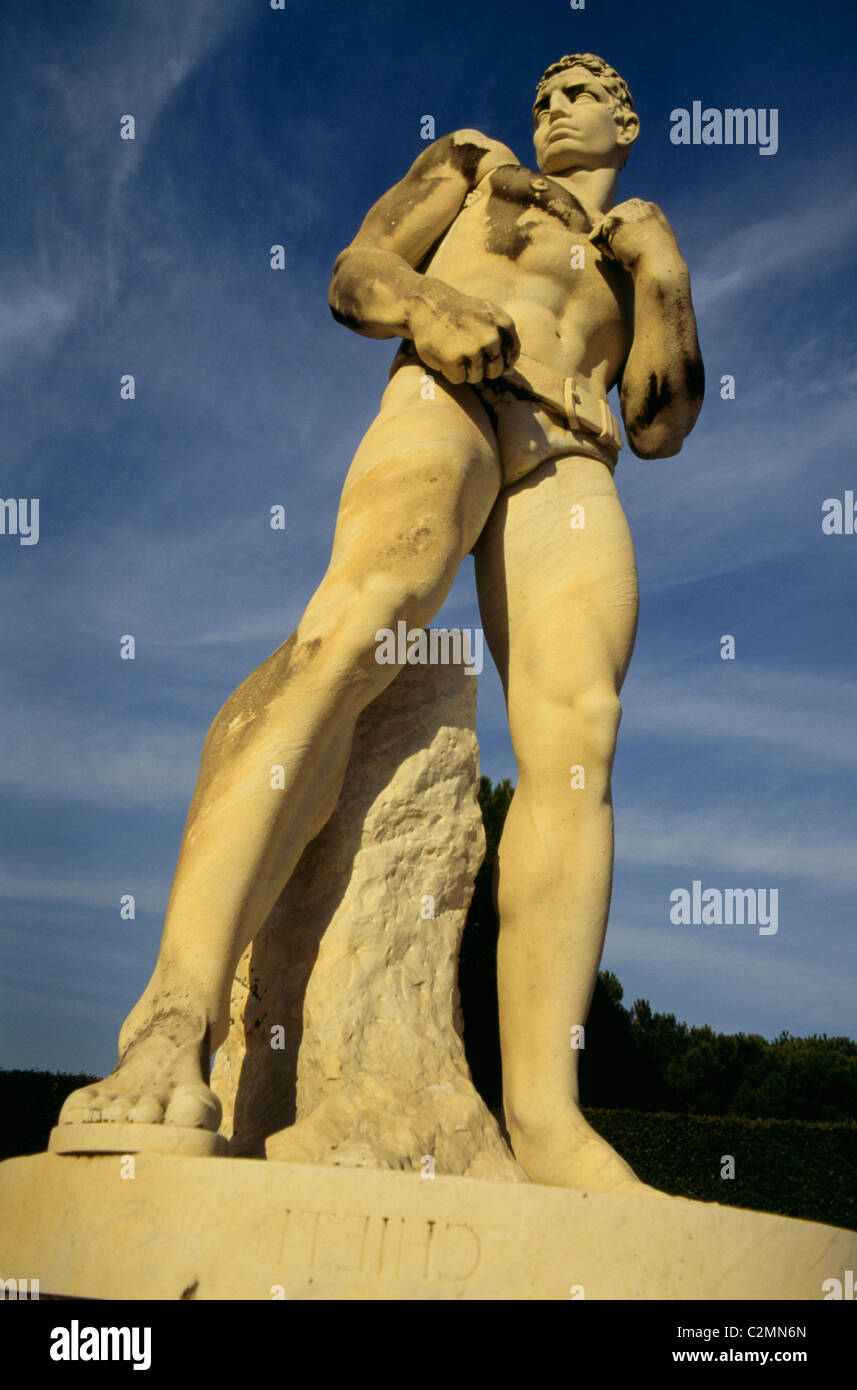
(568, 1153)
(158, 1097)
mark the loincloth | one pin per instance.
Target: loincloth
(537, 415)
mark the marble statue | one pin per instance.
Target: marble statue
(521, 296)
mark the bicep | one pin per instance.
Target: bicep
(416, 211)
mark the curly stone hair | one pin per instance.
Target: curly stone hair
(607, 76)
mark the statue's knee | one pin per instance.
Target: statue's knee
(582, 724)
(597, 712)
(376, 606)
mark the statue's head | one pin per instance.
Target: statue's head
(584, 116)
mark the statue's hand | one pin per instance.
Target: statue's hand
(464, 338)
(636, 231)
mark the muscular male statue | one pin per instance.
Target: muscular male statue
(522, 298)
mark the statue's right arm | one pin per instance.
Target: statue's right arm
(377, 291)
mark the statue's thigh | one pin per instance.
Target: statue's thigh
(558, 588)
(424, 478)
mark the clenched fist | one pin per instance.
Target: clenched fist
(633, 231)
(464, 338)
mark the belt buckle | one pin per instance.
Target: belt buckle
(572, 398)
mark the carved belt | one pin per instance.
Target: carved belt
(583, 409)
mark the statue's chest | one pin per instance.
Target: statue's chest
(527, 217)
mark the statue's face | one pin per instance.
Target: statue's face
(575, 126)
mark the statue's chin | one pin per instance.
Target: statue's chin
(558, 161)
(558, 166)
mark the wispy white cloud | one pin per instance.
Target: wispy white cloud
(81, 226)
(121, 763)
(808, 719)
(31, 320)
(741, 841)
(100, 892)
(804, 242)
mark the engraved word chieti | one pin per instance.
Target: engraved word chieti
(409, 1247)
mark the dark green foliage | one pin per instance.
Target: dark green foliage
(31, 1102)
(477, 966)
(494, 803)
(612, 1070)
(706, 1073)
(783, 1166)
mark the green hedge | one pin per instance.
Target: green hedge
(791, 1167)
(31, 1102)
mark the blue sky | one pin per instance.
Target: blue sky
(257, 127)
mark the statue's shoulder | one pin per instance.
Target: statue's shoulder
(469, 152)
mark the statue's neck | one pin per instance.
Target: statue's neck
(594, 189)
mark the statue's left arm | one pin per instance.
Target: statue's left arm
(663, 379)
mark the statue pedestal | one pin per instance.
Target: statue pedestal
(223, 1228)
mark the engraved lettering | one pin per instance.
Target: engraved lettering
(461, 1252)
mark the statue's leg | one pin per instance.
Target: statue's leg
(415, 499)
(559, 606)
